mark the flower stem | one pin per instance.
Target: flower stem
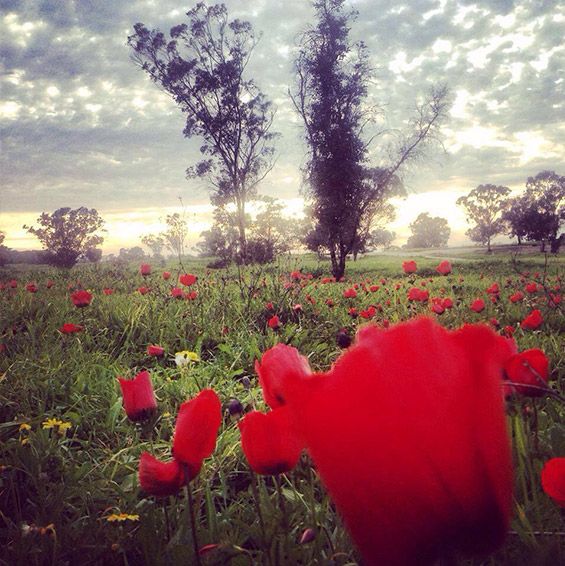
(192, 517)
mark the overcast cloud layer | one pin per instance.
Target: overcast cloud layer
(81, 125)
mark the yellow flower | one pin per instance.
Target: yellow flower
(24, 441)
(51, 423)
(185, 357)
(166, 414)
(121, 517)
(25, 426)
(63, 427)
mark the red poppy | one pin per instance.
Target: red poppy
(274, 322)
(155, 351)
(143, 290)
(269, 306)
(191, 296)
(139, 398)
(166, 275)
(326, 280)
(553, 480)
(374, 288)
(297, 308)
(528, 373)
(196, 428)
(554, 299)
(406, 502)
(417, 294)
(509, 331)
(409, 266)
(187, 279)
(49, 284)
(444, 268)
(330, 303)
(531, 288)
(145, 269)
(478, 305)
(494, 289)
(81, 298)
(70, 328)
(533, 321)
(516, 297)
(177, 293)
(352, 312)
(280, 367)
(108, 291)
(269, 442)
(161, 479)
(296, 275)
(31, 287)
(12, 283)
(447, 303)
(350, 293)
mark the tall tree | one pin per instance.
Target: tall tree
(332, 79)
(176, 234)
(202, 67)
(485, 207)
(67, 234)
(428, 232)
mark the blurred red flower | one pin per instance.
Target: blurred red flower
(494, 289)
(516, 297)
(49, 284)
(553, 480)
(145, 269)
(418, 295)
(31, 287)
(177, 293)
(409, 266)
(528, 373)
(81, 298)
(531, 288)
(166, 275)
(155, 351)
(107, 291)
(187, 279)
(444, 268)
(138, 396)
(161, 479)
(143, 290)
(12, 283)
(478, 305)
(533, 321)
(269, 442)
(70, 328)
(274, 322)
(408, 502)
(350, 293)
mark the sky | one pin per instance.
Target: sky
(81, 125)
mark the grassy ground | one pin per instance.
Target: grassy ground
(59, 486)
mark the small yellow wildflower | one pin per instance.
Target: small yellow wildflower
(51, 423)
(185, 357)
(63, 427)
(25, 426)
(121, 517)
(24, 441)
(166, 414)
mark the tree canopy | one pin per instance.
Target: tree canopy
(428, 232)
(202, 67)
(68, 234)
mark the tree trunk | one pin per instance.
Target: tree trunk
(333, 258)
(555, 244)
(489, 250)
(241, 229)
(519, 240)
(355, 255)
(542, 247)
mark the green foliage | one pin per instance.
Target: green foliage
(428, 232)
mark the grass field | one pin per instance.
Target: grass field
(69, 491)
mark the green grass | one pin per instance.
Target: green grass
(74, 481)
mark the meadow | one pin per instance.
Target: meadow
(69, 456)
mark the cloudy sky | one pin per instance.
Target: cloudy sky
(81, 125)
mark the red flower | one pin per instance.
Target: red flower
(187, 279)
(509, 331)
(297, 308)
(532, 321)
(143, 290)
(108, 291)
(49, 284)
(296, 275)
(447, 303)
(409, 266)
(191, 296)
(494, 289)
(70, 328)
(31, 287)
(406, 502)
(81, 298)
(516, 297)
(274, 322)
(527, 369)
(161, 478)
(553, 480)
(280, 369)
(444, 268)
(330, 302)
(269, 442)
(374, 288)
(478, 305)
(197, 427)
(12, 283)
(531, 288)
(139, 398)
(269, 306)
(145, 269)
(417, 294)
(176, 292)
(166, 275)
(350, 293)
(155, 351)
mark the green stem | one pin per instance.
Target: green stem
(192, 517)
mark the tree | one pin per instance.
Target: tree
(68, 234)
(221, 239)
(131, 254)
(381, 237)
(545, 209)
(155, 242)
(202, 67)
(428, 232)
(176, 234)
(485, 207)
(272, 228)
(515, 217)
(3, 250)
(332, 79)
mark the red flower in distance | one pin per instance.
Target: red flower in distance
(12, 283)
(161, 479)
(155, 351)
(533, 321)
(418, 295)
(145, 269)
(177, 293)
(196, 428)
(269, 441)
(191, 296)
(409, 266)
(374, 288)
(478, 305)
(31, 287)
(528, 373)
(444, 268)
(49, 284)
(107, 291)
(494, 289)
(81, 298)
(70, 328)
(187, 279)
(350, 293)
(274, 322)
(531, 288)
(553, 480)
(407, 502)
(143, 290)
(139, 398)
(516, 297)
(166, 275)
